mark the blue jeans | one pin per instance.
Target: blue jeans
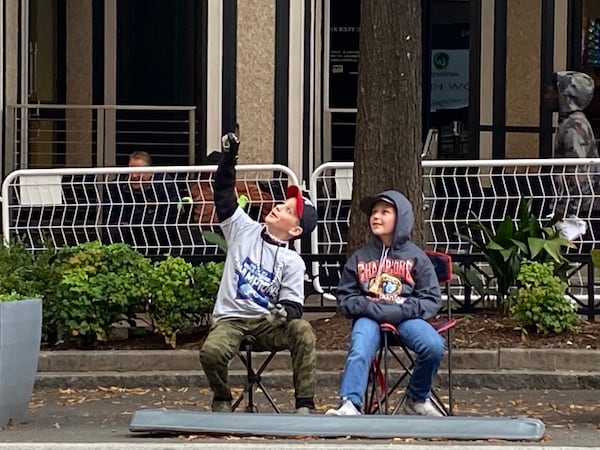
(418, 335)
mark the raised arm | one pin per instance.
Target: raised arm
(224, 184)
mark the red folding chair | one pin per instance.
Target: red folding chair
(380, 389)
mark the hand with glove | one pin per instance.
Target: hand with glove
(230, 145)
(278, 315)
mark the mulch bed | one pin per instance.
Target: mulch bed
(483, 331)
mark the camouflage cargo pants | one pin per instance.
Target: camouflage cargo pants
(224, 339)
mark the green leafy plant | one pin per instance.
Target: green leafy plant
(207, 278)
(172, 304)
(99, 285)
(181, 295)
(513, 242)
(13, 296)
(595, 254)
(215, 238)
(26, 273)
(540, 304)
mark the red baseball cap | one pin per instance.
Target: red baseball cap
(304, 208)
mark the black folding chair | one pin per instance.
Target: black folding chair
(253, 377)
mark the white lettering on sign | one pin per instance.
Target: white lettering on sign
(449, 79)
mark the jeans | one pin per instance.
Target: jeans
(417, 334)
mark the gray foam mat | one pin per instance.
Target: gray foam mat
(373, 426)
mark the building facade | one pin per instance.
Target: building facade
(87, 81)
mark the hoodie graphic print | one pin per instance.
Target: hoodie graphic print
(390, 284)
(386, 278)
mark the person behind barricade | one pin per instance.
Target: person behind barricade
(389, 280)
(141, 208)
(570, 93)
(262, 289)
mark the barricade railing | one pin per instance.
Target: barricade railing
(58, 207)
(456, 193)
(69, 206)
(40, 135)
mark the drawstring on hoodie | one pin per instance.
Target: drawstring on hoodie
(383, 257)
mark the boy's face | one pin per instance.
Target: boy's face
(283, 219)
(383, 220)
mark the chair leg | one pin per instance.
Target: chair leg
(253, 379)
(258, 382)
(376, 387)
(450, 386)
(385, 373)
(408, 372)
(377, 398)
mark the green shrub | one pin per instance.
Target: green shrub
(99, 285)
(540, 304)
(26, 273)
(181, 295)
(172, 304)
(13, 296)
(207, 279)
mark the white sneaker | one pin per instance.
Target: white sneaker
(421, 408)
(347, 409)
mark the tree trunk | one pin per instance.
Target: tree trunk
(388, 130)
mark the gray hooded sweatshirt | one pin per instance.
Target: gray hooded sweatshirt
(574, 136)
(390, 284)
(575, 139)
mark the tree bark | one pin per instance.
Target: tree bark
(388, 130)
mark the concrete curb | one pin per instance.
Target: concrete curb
(184, 360)
(494, 369)
(473, 379)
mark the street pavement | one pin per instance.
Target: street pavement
(98, 418)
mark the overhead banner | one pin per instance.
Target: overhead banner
(449, 79)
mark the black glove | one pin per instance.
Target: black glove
(230, 145)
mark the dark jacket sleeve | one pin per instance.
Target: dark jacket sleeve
(224, 188)
(294, 309)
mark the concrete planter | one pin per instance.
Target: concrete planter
(20, 335)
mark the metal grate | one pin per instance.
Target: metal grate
(57, 207)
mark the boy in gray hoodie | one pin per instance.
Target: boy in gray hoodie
(389, 280)
(572, 93)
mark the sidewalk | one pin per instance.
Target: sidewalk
(101, 416)
(89, 397)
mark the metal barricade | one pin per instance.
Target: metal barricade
(456, 193)
(58, 207)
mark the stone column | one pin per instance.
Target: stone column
(79, 67)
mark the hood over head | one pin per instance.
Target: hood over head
(575, 91)
(404, 213)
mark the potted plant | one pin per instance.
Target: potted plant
(20, 335)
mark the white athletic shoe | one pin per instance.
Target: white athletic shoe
(420, 408)
(347, 409)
